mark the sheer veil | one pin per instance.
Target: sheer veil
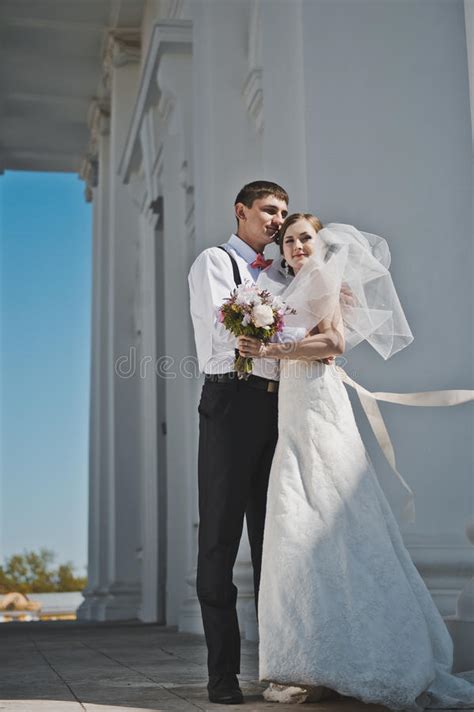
(358, 263)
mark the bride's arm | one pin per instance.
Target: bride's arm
(327, 342)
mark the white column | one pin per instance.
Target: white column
(154, 155)
(174, 82)
(182, 391)
(100, 414)
(89, 592)
(124, 586)
(153, 477)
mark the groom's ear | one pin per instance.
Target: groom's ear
(240, 211)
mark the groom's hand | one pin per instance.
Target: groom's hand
(250, 347)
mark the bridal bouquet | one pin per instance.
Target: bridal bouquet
(252, 312)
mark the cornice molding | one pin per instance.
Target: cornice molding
(168, 37)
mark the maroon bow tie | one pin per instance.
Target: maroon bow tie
(261, 262)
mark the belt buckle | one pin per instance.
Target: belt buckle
(272, 386)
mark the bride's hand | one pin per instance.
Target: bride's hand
(250, 347)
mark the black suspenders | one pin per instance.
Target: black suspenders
(237, 277)
(235, 267)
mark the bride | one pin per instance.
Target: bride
(341, 604)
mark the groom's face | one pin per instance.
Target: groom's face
(259, 224)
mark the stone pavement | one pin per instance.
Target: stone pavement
(121, 667)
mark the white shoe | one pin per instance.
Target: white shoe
(289, 694)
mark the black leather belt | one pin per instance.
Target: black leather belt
(263, 384)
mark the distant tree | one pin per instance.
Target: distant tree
(33, 572)
(67, 581)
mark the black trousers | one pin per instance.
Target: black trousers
(237, 436)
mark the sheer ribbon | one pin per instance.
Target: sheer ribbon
(368, 401)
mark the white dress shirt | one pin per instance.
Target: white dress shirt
(211, 280)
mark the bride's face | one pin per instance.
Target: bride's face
(299, 243)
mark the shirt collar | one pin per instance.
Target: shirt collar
(241, 247)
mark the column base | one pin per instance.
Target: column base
(91, 609)
(123, 602)
(462, 633)
(117, 602)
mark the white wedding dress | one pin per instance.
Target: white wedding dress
(341, 603)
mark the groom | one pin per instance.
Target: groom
(237, 430)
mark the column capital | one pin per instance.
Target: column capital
(89, 172)
(123, 46)
(98, 116)
(98, 120)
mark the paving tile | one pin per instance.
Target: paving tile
(122, 667)
(27, 705)
(184, 707)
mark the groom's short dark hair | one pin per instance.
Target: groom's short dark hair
(260, 189)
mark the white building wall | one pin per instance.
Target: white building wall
(388, 140)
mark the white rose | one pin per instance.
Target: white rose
(262, 315)
(246, 296)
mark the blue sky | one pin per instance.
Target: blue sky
(46, 272)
